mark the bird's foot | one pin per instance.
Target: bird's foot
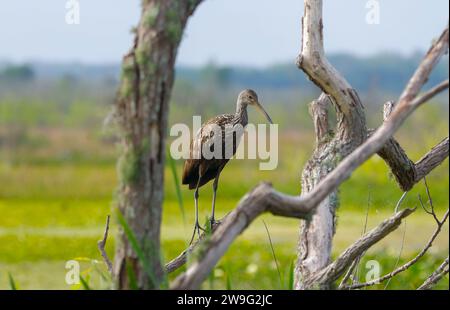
(197, 229)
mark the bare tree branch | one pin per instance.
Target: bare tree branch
(430, 201)
(178, 261)
(432, 159)
(313, 62)
(182, 258)
(407, 104)
(335, 269)
(406, 172)
(261, 199)
(349, 273)
(409, 263)
(437, 275)
(101, 246)
(355, 263)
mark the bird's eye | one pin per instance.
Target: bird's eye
(250, 97)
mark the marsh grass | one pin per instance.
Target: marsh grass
(12, 283)
(58, 175)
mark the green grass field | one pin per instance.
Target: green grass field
(57, 184)
(53, 213)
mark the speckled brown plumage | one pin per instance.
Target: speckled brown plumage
(208, 167)
(199, 170)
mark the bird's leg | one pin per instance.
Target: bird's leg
(212, 221)
(197, 226)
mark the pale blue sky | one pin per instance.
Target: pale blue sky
(245, 32)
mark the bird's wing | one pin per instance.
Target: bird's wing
(218, 132)
(205, 137)
(190, 172)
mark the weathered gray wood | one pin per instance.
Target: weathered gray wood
(432, 159)
(262, 198)
(316, 234)
(406, 172)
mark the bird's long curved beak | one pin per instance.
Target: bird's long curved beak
(260, 108)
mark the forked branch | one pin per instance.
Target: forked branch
(334, 270)
(406, 172)
(406, 265)
(312, 60)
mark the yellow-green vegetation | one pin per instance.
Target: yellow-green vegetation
(55, 194)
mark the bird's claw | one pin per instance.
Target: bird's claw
(197, 229)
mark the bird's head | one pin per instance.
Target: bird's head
(249, 97)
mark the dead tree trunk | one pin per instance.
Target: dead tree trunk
(142, 110)
(316, 233)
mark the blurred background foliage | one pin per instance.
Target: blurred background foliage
(58, 170)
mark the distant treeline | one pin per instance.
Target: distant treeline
(384, 73)
(387, 73)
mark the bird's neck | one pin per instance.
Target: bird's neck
(241, 116)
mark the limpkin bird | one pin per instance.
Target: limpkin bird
(199, 170)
